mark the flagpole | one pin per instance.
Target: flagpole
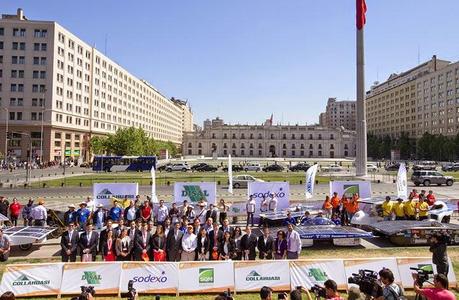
(361, 138)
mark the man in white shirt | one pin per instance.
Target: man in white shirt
(201, 214)
(273, 203)
(250, 208)
(161, 213)
(39, 214)
(189, 244)
(293, 243)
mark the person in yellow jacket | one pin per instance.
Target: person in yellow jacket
(398, 210)
(423, 209)
(387, 209)
(410, 209)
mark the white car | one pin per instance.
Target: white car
(372, 168)
(333, 168)
(441, 212)
(241, 181)
(178, 167)
(252, 167)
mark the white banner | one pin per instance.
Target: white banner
(195, 192)
(425, 263)
(310, 180)
(32, 280)
(104, 277)
(363, 188)
(154, 198)
(206, 277)
(307, 273)
(253, 275)
(258, 190)
(402, 183)
(154, 277)
(104, 192)
(230, 174)
(374, 264)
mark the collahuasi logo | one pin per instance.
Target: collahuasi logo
(206, 275)
(255, 276)
(91, 277)
(24, 280)
(107, 194)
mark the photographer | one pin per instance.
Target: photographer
(391, 290)
(440, 290)
(439, 255)
(331, 290)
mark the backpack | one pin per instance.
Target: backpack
(396, 295)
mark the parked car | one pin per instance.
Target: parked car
(177, 167)
(163, 167)
(198, 165)
(372, 168)
(300, 167)
(332, 168)
(206, 168)
(450, 167)
(425, 165)
(252, 167)
(273, 168)
(394, 166)
(242, 181)
(427, 178)
(236, 168)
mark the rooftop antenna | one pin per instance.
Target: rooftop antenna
(105, 50)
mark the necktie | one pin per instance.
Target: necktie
(89, 237)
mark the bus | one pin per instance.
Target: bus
(123, 163)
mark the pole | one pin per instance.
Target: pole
(6, 134)
(41, 137)
(361, 150)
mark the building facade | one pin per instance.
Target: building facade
(422, 99)
(292, 141)
(339, 113)
(57, 92)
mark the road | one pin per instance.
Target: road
(19, 176)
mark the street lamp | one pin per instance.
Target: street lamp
(6, 132)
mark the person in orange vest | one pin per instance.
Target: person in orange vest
(344, 204)
(327, 207)
(335, 203)
(430, 198)
(352, 207)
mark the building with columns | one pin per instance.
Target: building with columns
(268, 140)
(57, 92)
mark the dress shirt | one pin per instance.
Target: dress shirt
(251, 206)
(39, 213)
(293, 242)
(131, 213)
(189, 242)
(162, 213)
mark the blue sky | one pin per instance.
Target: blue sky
(245, 59)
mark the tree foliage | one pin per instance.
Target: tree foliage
(130, 141)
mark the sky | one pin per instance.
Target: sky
(243, 60)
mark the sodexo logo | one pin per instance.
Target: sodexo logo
(151, 278)
(279, 194)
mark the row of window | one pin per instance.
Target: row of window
(36, 88)
(260, 146)
(22, 46)
(21, 32)
(273, 136)
(260, 153)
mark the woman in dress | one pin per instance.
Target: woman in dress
(223, 207)
(202, 250)
(159, 244)
(227, 247)
(190, 214)
(108, 248)
(280, 246)
(237, 236)
(124, 246)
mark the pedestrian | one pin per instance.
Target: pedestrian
(115, 212)
(190, 215)
(5, 246)
(201, 214)
(202, 248)
(227, 247)
(344, 204)
(123, 246)
(410, 209)
(280, 246)
(159, 244)
(108, 247)
(161, 213)
(335, 203)
(88, 244)
(215, 237)
(250, 208)
(387, 209)
(430, 198)
(226, 227)
(438, 248)
(4, 206)
(189, 244)
(305, 218)
(423, 209)
(69, 244)
(82, 214)
(249, 244)
(399, 210)
(327, 207)
(174, 243)
(99, 217)
(293, 243)
(146, 211)
(142, 244)
(273, 203)
(15, 209)
(70, 215)
(264, 205)
(237, 237)
(212, 212)
(131, 213)
(27, 213)
(39, 214)
(223, 208)
(174, 213)
(289, 219)
(265, 245)
(352, 208)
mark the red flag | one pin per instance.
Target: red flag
(271, 120)
(360, 13)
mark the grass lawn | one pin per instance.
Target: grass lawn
(306, 253)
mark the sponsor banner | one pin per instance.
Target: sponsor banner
(402, 183)
(104, 277)
(206, 277)
(195, 192)
(424, 263)
(152, 278)
(253, 275)
(308, 273)
(104, 192)
(363, 188)
(310, 180)
(258, 190)
(374, 264)
(32, 280)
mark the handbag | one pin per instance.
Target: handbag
(215, 255)
(86, 257)
(145, 257)
(159, 256)
(110, 256)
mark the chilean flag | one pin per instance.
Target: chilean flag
(360, 13)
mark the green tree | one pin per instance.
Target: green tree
(98, 145)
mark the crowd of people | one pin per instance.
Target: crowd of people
(415, 208)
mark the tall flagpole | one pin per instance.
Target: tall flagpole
(361, 141)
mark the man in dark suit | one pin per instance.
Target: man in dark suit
(142, 244)
(69, 244)
(88, 242)
(226, 227)
(265, 245)
(215, 238)
(212, 212)
(174, 243)
(249, 244)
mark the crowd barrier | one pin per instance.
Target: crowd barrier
(26, 280)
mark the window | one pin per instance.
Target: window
(2, 31)
(1, 45)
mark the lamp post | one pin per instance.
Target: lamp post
(6, 132)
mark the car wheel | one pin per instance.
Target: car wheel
(184, 170)
(426, 182)
(168, 170)
(25, 247)
(449, 182)
(236, 185)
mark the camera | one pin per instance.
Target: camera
(131, 293)
(318, 291)
(85, 292)
(367, 280)
(227, 295)
(423, 275)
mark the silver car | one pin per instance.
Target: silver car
(427, 178)
(242, 181)
(178, 167)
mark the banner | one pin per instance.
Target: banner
(154, 198)
(258, 190)
(253, 275)
(206, 277)
(104, 192)
(310, 180)
(307, 273)
(104, 277)
(32, 280)
(424, 263)
(402, 183)
(153, 277)
(363, 188)
(374, 264)
(195, 192)
(230, 174)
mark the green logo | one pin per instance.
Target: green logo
(318, 275)
(351, 189)
(195, 193)
(206, 275)
(24, 280)
(91, 277)
(255, 276)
